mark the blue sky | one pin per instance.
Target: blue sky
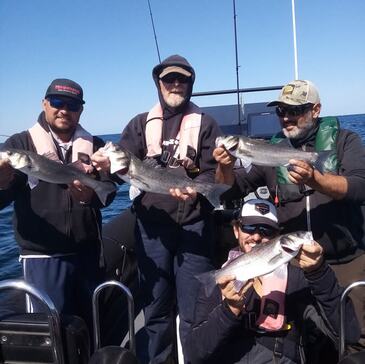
(108, 47)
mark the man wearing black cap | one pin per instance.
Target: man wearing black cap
(58, 226)
(173, 235)
(261, 321)
(331, 204)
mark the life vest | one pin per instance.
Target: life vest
(82, 145)
(326, 139)
(187, 139)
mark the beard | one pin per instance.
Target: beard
(299, 132)
(174, 100)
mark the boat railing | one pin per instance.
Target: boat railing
(52, 314)
(341, 351)
(96, 318)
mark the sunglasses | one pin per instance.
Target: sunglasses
(265, 231)
(59, 104)
(173, 77)
(281, 111)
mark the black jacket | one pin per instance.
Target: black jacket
(155, 207)
(47, 220)
(218, 336)
(336, 224)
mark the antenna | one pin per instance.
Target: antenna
(295, 39)
(237, 66)
(154, 32)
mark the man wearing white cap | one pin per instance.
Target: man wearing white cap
(261, 322)
(328, 204)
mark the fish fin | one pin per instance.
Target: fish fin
(213, 191)
(245, 162)
(103, 190)
(275, 258)
(52, 156)
(207, 279)
(134, 192)
(238, 284)
(117, 165)
(323, 157)
(152, 162)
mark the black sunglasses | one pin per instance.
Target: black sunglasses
(172, 77)
(59, 104)
(265, 231)
(281, 111)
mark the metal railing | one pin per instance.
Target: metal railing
(53, 316)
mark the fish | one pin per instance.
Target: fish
(149, 177)
(263, 258)
(44, 169)
(262, 153)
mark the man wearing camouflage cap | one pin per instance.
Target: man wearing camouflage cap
(328, 204)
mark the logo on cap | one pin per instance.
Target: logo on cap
(262, 208)
(67, 89)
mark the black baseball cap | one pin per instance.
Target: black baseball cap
(65, 87)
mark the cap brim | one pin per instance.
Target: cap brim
(63, 95)
(273, 103)
(259, 220)
(174, 69)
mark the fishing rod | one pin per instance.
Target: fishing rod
(237, 65)
(294, 40)
(154, 32)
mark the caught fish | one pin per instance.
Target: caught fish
(263, 258)
(42, 168)
(262, 153)
(151, 178)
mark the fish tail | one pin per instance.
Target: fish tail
(103, 190)
(207, 279)
(213, 191)
(324, 158)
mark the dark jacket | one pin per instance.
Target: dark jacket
(165, 208)
(47, 220)
(336, 224)
(218, 336)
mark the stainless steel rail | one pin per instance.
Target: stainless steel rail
(53, 316)
(96, 318)
(342, 316)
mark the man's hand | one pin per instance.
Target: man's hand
(80, 192)
(6, 174)
(224, 172)
(300, 172)
(100, 162)
(221, 155)
(187, 194)
(310, 257)
(235, 300)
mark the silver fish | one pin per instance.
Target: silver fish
(263, 258)
(262, 153)
(42, 168)
(151, 178)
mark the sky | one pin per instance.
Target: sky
(109, 48)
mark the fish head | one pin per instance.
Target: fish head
(292, 242)
(230, 142)
(16, 159)
(119, 157)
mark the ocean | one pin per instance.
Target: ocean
(9, 264)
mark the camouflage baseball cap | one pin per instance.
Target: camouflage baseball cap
(298, 92)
